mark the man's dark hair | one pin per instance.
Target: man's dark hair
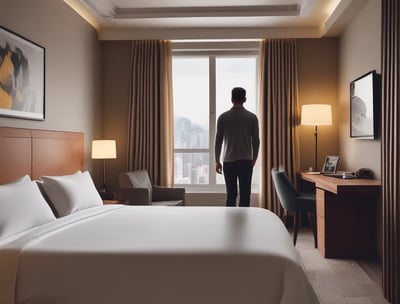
(238, 94)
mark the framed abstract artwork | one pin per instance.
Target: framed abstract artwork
(22, 77)
(364, 106)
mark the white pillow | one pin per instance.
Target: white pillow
(22, 206)
(71, 193)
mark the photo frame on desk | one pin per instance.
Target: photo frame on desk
(330, 164)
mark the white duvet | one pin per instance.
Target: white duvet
(148, 254)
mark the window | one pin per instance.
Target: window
(202, 85)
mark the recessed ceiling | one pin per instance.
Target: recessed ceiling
(216, 19)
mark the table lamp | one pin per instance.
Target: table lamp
(316, 115)
(104, 149)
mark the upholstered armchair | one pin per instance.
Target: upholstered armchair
(136, 188)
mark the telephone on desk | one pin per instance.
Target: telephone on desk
(364, 173)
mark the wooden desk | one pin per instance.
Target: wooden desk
(346, 215)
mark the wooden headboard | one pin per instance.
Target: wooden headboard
(38, 152)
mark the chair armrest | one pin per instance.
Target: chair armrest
(168, 193)
(135, 196)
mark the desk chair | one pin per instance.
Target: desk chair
(294, 201)
(136, 189)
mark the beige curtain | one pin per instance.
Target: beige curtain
(279, 115)
(391, 148)
(151, 111)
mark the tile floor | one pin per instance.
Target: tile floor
(340, 281)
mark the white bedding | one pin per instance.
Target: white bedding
(148, 254)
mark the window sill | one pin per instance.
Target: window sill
(211, 189)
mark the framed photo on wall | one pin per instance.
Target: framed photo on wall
(22, 77)
(364, 106)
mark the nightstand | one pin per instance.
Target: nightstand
(106, 195)
(108, 202)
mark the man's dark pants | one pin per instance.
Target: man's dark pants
(241, 170)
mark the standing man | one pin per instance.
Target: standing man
(238, 130)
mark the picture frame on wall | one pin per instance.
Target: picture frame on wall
(364, 106)
(330, 164)
(22, 77)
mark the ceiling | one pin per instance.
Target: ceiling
(216, 19)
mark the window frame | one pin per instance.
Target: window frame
(212, 50)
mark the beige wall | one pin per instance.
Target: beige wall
(116, 78)
(359, 53)
(325, 69)
(317, 80)
(73, 71)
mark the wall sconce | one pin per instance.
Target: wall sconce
(104, 149)
(316, 115)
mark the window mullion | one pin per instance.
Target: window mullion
(191, 150)
(212, 128)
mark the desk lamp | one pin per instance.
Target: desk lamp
(104, 149)
(316, 115)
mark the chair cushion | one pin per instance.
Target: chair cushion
(289, 197)
(136, 189)
(136, 179)
(306, 202)
(168, 203)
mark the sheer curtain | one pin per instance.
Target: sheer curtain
(391, 148)
(151, 111)
(279, 115)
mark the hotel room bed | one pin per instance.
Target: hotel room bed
(148, 254)
(70, 248)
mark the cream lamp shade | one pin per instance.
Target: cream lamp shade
(104, 149)
(316, 115)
